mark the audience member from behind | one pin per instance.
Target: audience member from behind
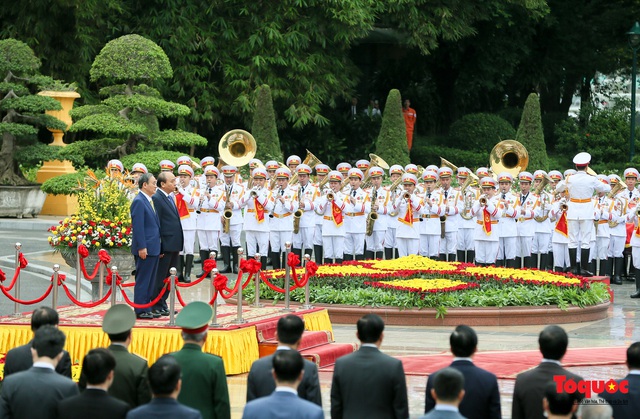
(367, 383)
(165, 381)
(448, 392)
(260, 382)
(530, 386)
(594, 408)
(482, 394)
(627, 406)
(204, 382)
(20, 359)
(558, 404)
(94, 402)
(284, 403)
(35, 393)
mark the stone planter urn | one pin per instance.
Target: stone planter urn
(122, 258)
(18, 201)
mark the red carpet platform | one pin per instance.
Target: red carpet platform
(237, 344)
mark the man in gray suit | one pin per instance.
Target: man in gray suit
(447, 391)
(260, 382)
(367, 383)
(35, 393)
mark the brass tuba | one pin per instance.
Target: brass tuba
(311, 161)
(468, 201)
(377, 161)
(539, 190)
(509, 156)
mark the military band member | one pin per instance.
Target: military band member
(285, 203)
(208, 221)
(380, 199)
(560, 235)
(271, 167)
(487, 212)
(332, 205)
(322, 170)
(451, 205)
(191, 197)
(292, 163)
(633, 196)
(137, 170)
(600, 250)
(363, 165)
(635, 249)
(307, 193)
(429, 227)
(204, 163)
(167, 166)
(407, 206)
(390, 244)
(617, 231)
(230, 241)
(132, 180)
(506, 228)
(526, 210)
(115, 169)
(556, 177)
(258, 205)
(581, 187)
(344, 168)
(356, 220)
(542, 233)
(466, 223)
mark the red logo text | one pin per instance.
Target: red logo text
(589, 387)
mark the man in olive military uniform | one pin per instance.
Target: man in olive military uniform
(204, 382)
(130, 382)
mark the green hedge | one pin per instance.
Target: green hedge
(67, 184)
(425, 155)
(480, 132)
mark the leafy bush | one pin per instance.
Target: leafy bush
(152, 159)
(392, 141)
(480, 132)
(531, 135)
(67, 184)
(425, 155)
(35, 155)
(264, 127)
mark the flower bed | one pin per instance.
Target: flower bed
(418, 282)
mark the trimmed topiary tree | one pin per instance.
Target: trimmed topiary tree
(128, 116)
(392, 140)
(480, 132)
(264, 128)
(531, 134)
(21, 109)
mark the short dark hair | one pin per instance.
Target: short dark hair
(164, 375)
(560, 402)
(463, 341)
(97, 364)
(448, 383)
(162, 178)
(370, 328)
(43, 316)
(633, 356)
(144, 178)
(290, 329)
(119, 337)
(553, 341)
(287, 365)
(48, 341)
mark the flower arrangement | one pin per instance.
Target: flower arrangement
(103, 219)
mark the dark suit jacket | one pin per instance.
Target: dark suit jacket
(130, 379)
(443, 414)
(20, 359)
(260, 382)
(170, 226)
(145, 226)
(34, 393)
(631, 409)
(163, 408)
(529, 390)
(92, 403)
(369, 384)
(481, 392)
(282, 405)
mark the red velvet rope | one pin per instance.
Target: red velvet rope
(103, 257)
(22, 261)
(3, 277)
(213, 300)
(85, 305)
(83, 251)
(250, 266)
(109, 277)
(274, 287)
(180, 297)
(209, 265)
(151, 304)
(27, 303)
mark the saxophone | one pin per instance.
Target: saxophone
(227, 214)
(611, 195)
(468, 199)
(298, 214)
(393, 189)
(539, 190)
(373, 215)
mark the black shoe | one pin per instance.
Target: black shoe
(146, 316)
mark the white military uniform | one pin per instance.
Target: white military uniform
(487, 241)
(281, 222)
(430, 225)
(506, 229)
(407, 236)
(356, 221)
(560, 242)
(525, 223)
(208, 221)
(234, 194)
(191, 197)
(304, 239)
(375, 242)
(333, 228)
(256, 221)
(452, 200)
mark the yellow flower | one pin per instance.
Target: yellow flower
(525, 275)
(425, 284)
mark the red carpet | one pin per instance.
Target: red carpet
(508, 364)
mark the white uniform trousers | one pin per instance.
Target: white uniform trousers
(189, 241)
(375, 242)
(430, 245)
(317, 235)
(541, 243)
(278, 240)
(601, 249)
(465, 238)
(616, 246)
(354, 244)
(390, 238)
(407, 247)
(449, 242)
(304, 238)
(635, 254)
(486, 251)
(506, 249)
(525, 244)
(580, 232)
(561, 255)
(233, 237)
(332, 247)
(257, 242)
(208, 239)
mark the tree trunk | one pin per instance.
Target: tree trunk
(10, 173)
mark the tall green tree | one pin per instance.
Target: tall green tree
(531, 134)
(392, 142)
(128, 117)
(264, 128)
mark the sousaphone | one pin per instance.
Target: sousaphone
(509, 156)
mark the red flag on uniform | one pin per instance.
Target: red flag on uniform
(486, 221)
(562, 226)
(337, 214)
(408, 217)
(259, 211)
(183, 211)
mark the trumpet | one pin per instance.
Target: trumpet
(483, 200)
(563, 205)
(406, 196)
(330, 196)
(254, 192)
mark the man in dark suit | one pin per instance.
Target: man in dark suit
(165, 381)
(204, 382)
(530, 386)
(627, 405)
(20, 358)
(558, 404)
(482, 394)
(145, 244)
(448, 392)
(260, 382)
(284, 403)
(35, 393)
(172, 240)
(94, 402)
(368, 383)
